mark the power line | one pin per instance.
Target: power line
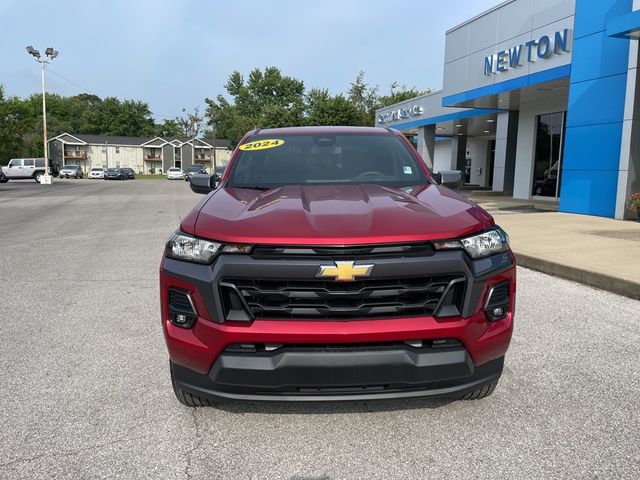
(163, 117)
(72, 82)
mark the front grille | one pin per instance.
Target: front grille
(323, 299)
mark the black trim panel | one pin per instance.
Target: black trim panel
(207, 277)
(336, 377)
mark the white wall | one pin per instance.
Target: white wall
(442, 156)
(113, 156)
(525, 148)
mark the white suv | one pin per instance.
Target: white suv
(19, 168)
(96, 172)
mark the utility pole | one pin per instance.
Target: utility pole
(214, 150)
(51, 54)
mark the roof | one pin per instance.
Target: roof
(138, 141)
(113, 140)
(320, 130)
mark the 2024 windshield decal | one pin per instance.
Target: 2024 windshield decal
(262, 144)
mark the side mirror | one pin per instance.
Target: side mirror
(449, 178)
(201, 183)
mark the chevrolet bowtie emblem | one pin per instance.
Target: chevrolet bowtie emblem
(344, 271)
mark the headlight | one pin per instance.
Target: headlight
(191, 249)
(494, 240)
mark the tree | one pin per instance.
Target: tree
(266, 100)
(365, 98)
(400, 93)
(190, 124)
(15, 120)
(323, 109)
(169, 128)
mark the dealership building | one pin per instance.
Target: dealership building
(538, 101)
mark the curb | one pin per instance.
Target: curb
(619, 286)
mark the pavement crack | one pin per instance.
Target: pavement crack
(69, 453)
(197, 444)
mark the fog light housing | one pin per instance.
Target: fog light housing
(498, 301)
(182, 312)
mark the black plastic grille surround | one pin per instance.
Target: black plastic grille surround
(361, 251)
(328, 299)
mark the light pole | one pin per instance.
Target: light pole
(50, 55)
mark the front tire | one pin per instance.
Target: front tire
(480, 392)
(189, 399)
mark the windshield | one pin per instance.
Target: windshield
(69, 167)
(174, 170)
(113, 170)
(97, 169)
(324, 159)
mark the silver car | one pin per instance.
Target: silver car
(69, 171)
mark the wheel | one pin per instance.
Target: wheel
(189, 399)
(481, 392)
(38, 177)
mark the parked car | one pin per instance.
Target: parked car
(175, 173)
(68, 171)
(96, 172)
(192, 170)
(128, 173)
(218, 173)
(114, 174)
(331, 264)
(20, 168)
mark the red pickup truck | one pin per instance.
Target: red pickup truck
(328, 263)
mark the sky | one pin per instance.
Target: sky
(174, 54)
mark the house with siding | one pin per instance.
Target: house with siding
(143, 154)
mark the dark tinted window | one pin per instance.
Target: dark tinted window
(326, 159)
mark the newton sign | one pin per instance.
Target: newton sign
(544, 47)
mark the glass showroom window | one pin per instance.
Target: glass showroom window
(547, 166)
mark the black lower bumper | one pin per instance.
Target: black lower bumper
(330, 376)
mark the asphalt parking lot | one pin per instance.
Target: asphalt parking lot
(86, 390)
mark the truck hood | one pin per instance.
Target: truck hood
(335, 215)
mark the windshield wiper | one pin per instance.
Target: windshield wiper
(251, 187)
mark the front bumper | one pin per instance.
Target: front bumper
(201, 365)
(331, 376)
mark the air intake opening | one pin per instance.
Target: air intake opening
(498, 301)
(182, 312)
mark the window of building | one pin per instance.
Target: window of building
(117, 149)
(547, 164)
